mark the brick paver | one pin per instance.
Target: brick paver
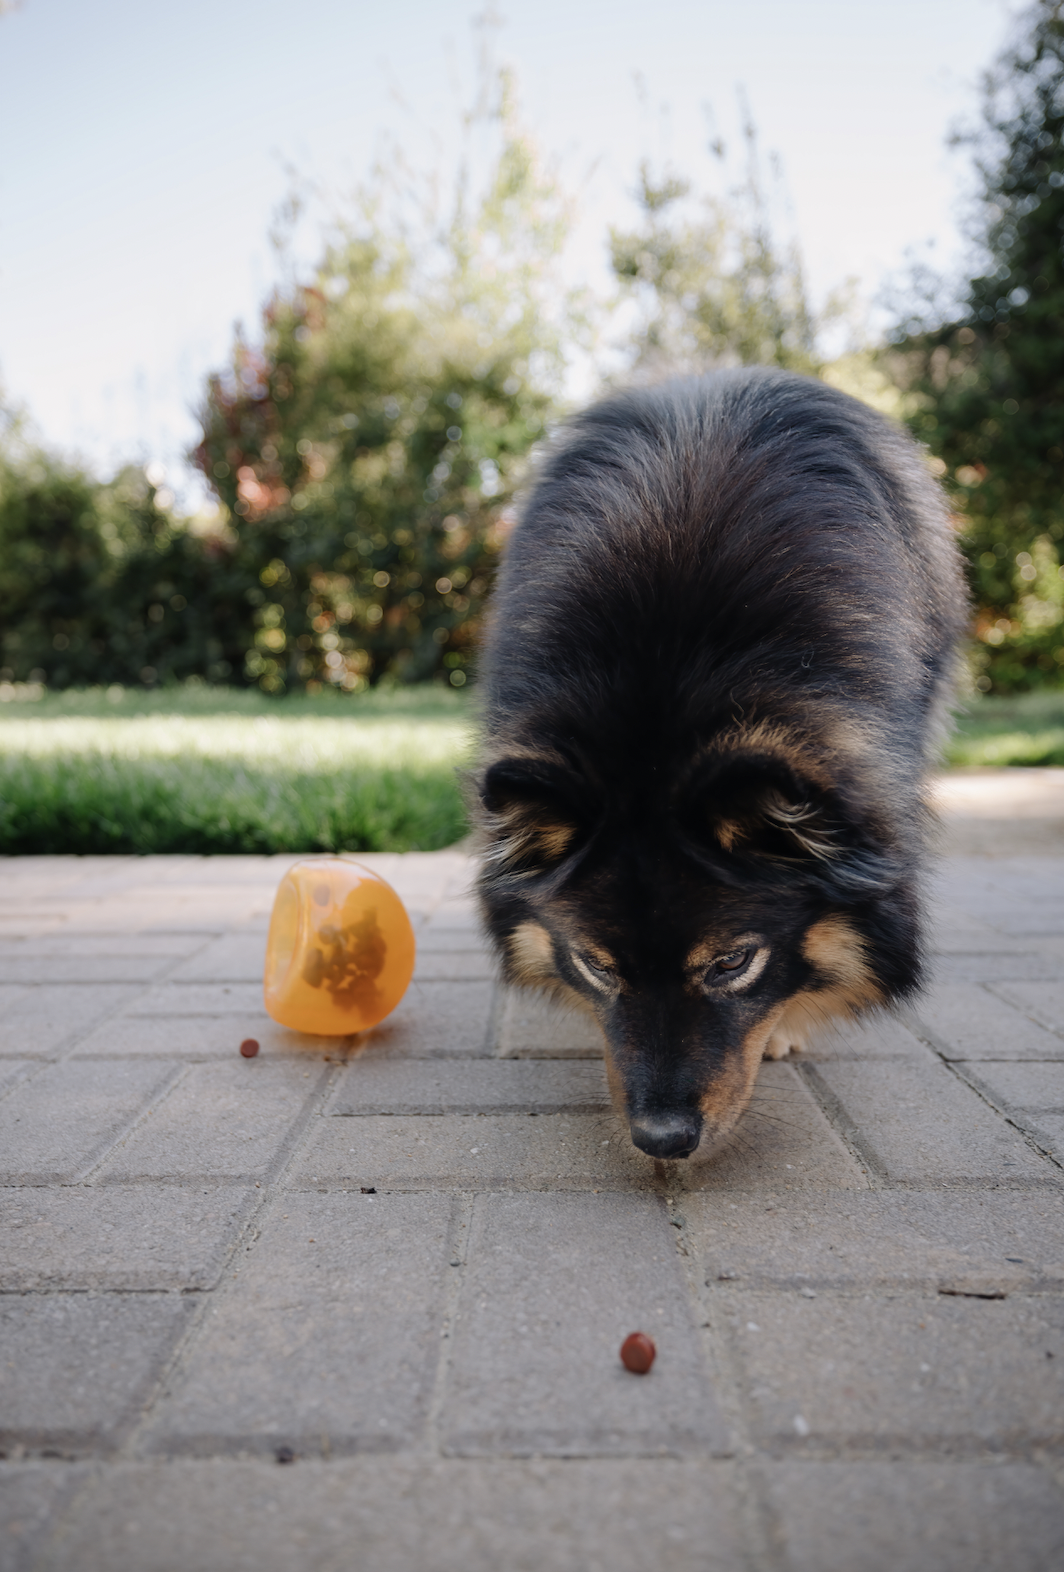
(917, 1123)
(327, 1339)
(403, 1512)
(358, 1302)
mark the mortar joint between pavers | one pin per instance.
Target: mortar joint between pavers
(1051, 1463)
(267, 1193)
(319, 1093)
(956, 1069)
(848, 1447)
(148, 1107)
(35, 1068)
(71, 1042)
(113, 1446)
(128, 1447)
(840, 1121)
(87, 1473)
(725, 1373)
(496, 1015)
(682, 1244)
(458, 1241)
(967, 1071)
(761, 1518)
(924, 1034)
(1044, 1022)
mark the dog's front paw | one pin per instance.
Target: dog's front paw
(780, 1044)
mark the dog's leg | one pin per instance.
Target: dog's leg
(808, 1013)
(796, 1025)
(781, 1042)
(792, 1031)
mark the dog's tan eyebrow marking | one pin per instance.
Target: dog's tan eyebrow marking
(710, 950)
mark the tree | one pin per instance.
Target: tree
(367, 448)
(986, 386)
(712, 283)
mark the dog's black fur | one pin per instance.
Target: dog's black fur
(718, 666)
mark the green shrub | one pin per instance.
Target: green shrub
(986, 389)
(99, 585)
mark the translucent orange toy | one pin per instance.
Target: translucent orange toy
(340, 951)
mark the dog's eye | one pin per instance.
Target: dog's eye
(731, 965)
(601, 977)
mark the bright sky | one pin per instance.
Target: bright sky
(145, 149)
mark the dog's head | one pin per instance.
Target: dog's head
(699, 920)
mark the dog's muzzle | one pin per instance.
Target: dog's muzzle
(667, 1135)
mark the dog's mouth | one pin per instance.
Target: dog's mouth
(666, 1135)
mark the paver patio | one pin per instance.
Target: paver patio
(357, 1304)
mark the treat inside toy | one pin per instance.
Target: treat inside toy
(340, 951)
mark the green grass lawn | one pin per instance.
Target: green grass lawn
(210, 770)
(1028, 729)
(216, 770)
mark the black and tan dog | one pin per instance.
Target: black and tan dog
(719, 661)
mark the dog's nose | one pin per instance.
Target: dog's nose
(666, 1135)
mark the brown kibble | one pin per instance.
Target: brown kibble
(249, 1047)
(637, 1353)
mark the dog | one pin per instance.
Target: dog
(717, 670)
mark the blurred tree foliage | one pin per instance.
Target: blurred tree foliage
(364, 452)
(367, 448)
(985, 387)
(364, 447)
(97, 585)
(712, 283)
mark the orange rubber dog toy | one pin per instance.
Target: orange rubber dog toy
(340, 951)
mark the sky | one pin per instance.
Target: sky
(146, 149)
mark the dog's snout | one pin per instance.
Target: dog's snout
(667, 1135)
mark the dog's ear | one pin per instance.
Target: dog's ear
(534, 816)
(752, 807)
(761, 812)
(770, 822)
